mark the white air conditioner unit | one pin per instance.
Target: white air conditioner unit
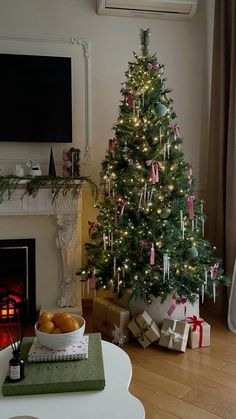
(163, 9)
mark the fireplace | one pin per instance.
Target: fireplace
(17, 279)
(58, 244)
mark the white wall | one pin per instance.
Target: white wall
(184, 47)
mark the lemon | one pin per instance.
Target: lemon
(68, 324)
(59, 317)
(45, 316)
(46, 327)
(56, 331)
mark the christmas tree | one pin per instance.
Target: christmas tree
(149, 235)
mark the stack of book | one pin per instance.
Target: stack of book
(79, 369)
(38, 352)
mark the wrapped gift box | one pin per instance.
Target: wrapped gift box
(200, 332)
(144, 329)
(174, 335)
(172, 307)
(109, 329)
(107, 314)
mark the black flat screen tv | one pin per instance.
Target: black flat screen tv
(35, 98)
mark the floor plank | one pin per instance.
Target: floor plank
(211, 404)
(181, 362)
(186, 378)
(153, 412)
(171, 387)
(170, 404)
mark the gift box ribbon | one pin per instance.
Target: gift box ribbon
(174, 336)
(196, 323)
(143, 329)
(177, 300)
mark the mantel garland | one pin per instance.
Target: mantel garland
(57, 184)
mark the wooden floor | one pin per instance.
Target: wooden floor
(198, 384)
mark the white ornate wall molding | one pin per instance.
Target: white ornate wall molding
(86, 47)
(66, 242)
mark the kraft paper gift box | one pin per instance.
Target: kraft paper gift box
(106, 315)
(199, 333)
(109, 329)
(174, 335)
(144, 329)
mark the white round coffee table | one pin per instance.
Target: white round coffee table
(114, 402)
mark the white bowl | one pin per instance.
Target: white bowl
(63, 340)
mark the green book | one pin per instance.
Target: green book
(60, 377)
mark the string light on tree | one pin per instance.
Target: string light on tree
(149, 198)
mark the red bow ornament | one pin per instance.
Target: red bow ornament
(177, 300)
(175, 128)
(111, 146)
(127, 97)
(154, 170)
(190, 200)
(150, 66)
(91, 228)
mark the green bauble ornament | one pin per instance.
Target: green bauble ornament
(161, 110)
(191, 253)
(165, 212)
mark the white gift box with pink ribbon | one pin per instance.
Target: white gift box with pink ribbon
(174, 307)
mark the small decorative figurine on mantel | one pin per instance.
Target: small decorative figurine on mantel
(34, 168)
(71, 160)
(51, 168)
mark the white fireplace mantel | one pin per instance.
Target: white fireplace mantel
(67, 210)
(20, 204)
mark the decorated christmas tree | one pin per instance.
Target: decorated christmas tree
(149, 234)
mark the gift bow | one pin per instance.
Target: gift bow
(150, 66)
(111, 146)
(177, 300)
(143, 329)
(176, 128)
(190, 200)
(175, 337)
(121, 207)
(196, 322)
(213, 270)
(190, 173)
(154, 170)
(127, 96)
(146, 245)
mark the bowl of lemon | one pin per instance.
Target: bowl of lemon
(59, 330)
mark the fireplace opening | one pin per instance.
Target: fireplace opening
(17, 279)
